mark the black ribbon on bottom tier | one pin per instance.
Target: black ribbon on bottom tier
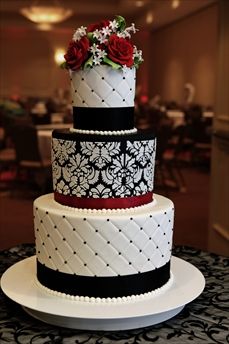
(101, 119)
(103, 287)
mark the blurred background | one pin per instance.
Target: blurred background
(182, 94)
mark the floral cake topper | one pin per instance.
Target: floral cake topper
(107, 42)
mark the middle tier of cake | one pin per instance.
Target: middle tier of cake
(96, 171)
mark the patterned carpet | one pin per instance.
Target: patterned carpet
(203, 321)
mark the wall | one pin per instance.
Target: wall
(27, 62)
(218, 239)
(185, 51)
(182, 52)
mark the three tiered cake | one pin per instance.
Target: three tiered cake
(102, 234)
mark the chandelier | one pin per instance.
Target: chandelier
(46, 16)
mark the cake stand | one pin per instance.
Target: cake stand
(19, 284)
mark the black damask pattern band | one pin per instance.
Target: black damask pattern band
(94, 286)
(91, 169)
(109, 119)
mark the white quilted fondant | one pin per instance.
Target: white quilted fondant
(102, 86)
(103, 244)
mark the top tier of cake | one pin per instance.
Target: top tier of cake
(103, 87)
(103, 98)
(102, 62)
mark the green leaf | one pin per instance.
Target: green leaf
(64, 65)
(121, 23)
(137, 62)
(111, 63)
(89, 62)
(90, 37)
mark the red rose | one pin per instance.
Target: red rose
(120, 50)
(98, 26)
(77, 53)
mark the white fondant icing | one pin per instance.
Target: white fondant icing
(102, 86)
(130, 299)
(105, 244)
(105, 133)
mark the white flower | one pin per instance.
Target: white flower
(106, 31)
(96, 34)
(100, 36)
(138, 53)
(79, 33)
(113, 25)
(121, 34)
(102, 39)
(125, 33)
(132, 28)
(94, 48)
(101, 53)
(97, 60)
(98, 54)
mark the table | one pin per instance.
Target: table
(53, 126)
(178, 116)
(44, 143)
(205, 320)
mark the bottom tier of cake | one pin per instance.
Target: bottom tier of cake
(103, 253)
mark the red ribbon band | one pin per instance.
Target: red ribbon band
(103, 203)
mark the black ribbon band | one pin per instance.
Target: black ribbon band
(103, 286)
(103, 118)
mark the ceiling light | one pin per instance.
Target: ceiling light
(175, 4)
(59, 56)
(149, 17)
(139, 3)
(46, 15)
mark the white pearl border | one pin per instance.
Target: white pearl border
(105, 133)
(124, 299)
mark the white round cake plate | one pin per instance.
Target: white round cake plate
(19, 284)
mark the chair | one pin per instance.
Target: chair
(168, 163)
(163, 136)
(7, 167)
(28, 159)
(173, 158)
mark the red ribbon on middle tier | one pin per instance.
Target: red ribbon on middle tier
(103, 203)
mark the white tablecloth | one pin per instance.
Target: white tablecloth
(44, 142)
(177, 117)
